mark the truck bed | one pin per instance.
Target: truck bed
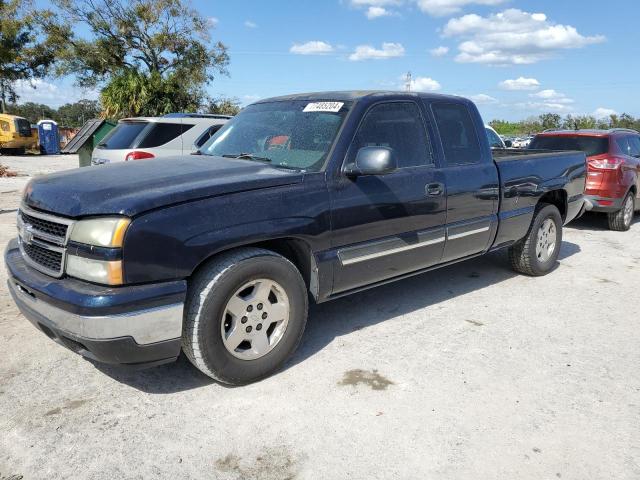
(511, 154)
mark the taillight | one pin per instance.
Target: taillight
(138, 156)
(606, 163)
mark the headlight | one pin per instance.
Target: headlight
(105, 232)
(101, 232)
(98, 271)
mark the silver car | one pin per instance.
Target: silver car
(154, 137)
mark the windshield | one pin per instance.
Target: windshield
(122, 136)
(291, 134)
(589, 145)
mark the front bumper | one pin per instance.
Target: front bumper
(134, 325)
(593, 203)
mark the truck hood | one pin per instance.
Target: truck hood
(131, 188)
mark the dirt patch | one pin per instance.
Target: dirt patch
(271, 464)
(5, 172)
(369, 378)
(71, 405)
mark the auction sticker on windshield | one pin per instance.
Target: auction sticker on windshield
(323, 107)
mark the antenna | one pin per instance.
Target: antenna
(407, 84)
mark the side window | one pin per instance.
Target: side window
(634, 146)
(494, 140)
(207, 135)
(623, 145)
(162, 133)
(396, 125)
(458, 134)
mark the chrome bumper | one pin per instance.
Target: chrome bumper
(144, 326)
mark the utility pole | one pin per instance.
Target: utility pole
(407, 84)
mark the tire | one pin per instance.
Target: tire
(621, 220)
(525, 257)
(209, 323)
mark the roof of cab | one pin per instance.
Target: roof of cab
(354, 95)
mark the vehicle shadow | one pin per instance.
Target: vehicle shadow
(337, 318)
(595, 221)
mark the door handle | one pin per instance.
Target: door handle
(434, 189)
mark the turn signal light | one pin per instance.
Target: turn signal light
(138, 156)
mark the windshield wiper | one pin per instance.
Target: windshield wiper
(247, 156)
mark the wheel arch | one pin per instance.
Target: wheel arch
(296, 250)
(557, 197)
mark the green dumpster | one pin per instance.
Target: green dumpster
(88, 138)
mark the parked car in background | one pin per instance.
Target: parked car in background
(613, 160)
(16, 135)
(154, 137)
(314, 195)
(495, 140)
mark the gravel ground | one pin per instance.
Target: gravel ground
(469, 372)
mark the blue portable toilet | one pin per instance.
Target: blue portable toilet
(48, 137)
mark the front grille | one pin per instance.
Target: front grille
(48, 259)
(43, 238)
(46, 226)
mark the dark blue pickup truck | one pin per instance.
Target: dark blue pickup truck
(312, 195)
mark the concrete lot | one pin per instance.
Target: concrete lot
(470, 372)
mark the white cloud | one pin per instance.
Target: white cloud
(212, 22)
(483, 99)
(367, 52)
(421, 84)
(311, 48)
(250, 24)
(439, 8)
(377, 12)
(551, 96)
(41, 91)
(546, 106)
(376, 8)
(513, 37)
(605, 113)
(439, 51)
(520, 83)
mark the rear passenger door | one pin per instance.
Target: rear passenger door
(634, 153)
(384, 226)
(471, 178)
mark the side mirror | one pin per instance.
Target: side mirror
(374, 161)
(508, 143)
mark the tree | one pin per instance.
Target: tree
(27, 48)
(142, 51)
(33, 111)
(133, 94)
(223, 106)
(550, 121)
(76, 114)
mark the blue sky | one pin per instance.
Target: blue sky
(515, 58)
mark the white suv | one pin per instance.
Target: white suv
(153, 137)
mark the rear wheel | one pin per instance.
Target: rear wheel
(620, 221)
(245, 315)
(537, 253)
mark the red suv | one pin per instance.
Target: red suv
(613, 159)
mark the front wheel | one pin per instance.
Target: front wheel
(537, 253)
(620, 221)
(245, 315)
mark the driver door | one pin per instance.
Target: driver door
(385, 226)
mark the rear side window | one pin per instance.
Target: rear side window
(122, 136)
(457, 132)
(161, 133)
(207, 135)
(494, 139)
(589, 145)
(396, 125)
(634, 146)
